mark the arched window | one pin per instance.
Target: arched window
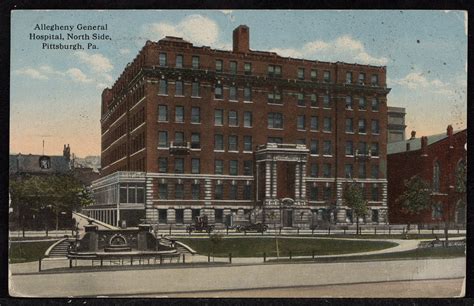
(461, 176)
(436, 176)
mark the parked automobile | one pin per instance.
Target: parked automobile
(200, 225)
(252, 227)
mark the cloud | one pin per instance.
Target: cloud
(78, 76)
(226, 12)
(96, 62)
(32, 73)
(50, 70)
(124, 51)
(344, 48)
(195, 28)
(417, 80)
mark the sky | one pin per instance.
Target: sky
(55, 95)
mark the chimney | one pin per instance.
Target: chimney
(449, 130)
(413, 134)
(424, 144)
(408, 146)
(241, 39)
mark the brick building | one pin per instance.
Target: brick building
(240, 134)
(437, 159)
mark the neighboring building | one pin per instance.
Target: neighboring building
(396, 124)
(240, 134)
(20, 164)
(86, 162)
(436, 159)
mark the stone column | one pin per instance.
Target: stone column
(384, 193)
(297, 181)
(303, 180)
(170, 216)
(268, 176)
(187, 216)
(207, 191)
(274, 179)
(151, 214)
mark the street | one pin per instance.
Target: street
(174, 280)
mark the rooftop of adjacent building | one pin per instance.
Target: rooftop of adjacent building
(30, 163)
(413, 143)
(395, 109)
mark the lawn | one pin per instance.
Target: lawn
(255, 247)
(439, 252)
(28, 251)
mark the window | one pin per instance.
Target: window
(219, 215)
(195, 140)
(162, 215)
(375, 192)
(274, 71)
(301, 99)
(327, 193)
(233, 93)
(233, 143)
(162, 139)
(374, 80)
(314, 123)
(362, 103)
(326, 101)
(363, 148)
(179, 139)
(375, 127)
(178, 88)
(301, 141)
(300, 122)
(195, 166)
(219, 65)
(162, 113)
(218, 142)
(195, 213)
(248, 143)
(179, 114)
(179, 61)
(314, 100)
(362, 127)
(233, 192)
(195, 62)
(179, 213)
(327, 150)
(218, 92)
(314, 170)
(233, 167)
(348, 77)
(301, 73)
(313, 193)
(362, 173)
(219, 192)
(195, 115)
(375, 104)
(374, 149)
(248, 68)
(195, 89)
(178, 165)
(162, 165)
(274, 97)
(327, 76)
(195, 191)
(314, 74)
(348, 169)
(219, 166)
(327, 124)
(233, 67)
(248, 167)
(247, 192)
(275, 120)
(374, 171)
(179, 191)
(437, 211)
(218, 117)
(247, 94)
(349, 125)
(163, 59)
(275, 140)
(349, 148)
(163, 191)
(361, 78)
(436, 176)
(247, 119)
(233, 119)
(314, 146)
(348, 102)
(163, 90)
(326, 170)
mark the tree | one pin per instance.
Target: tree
(354, 198)
(416, 197)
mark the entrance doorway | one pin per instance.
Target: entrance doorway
(287, 218)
